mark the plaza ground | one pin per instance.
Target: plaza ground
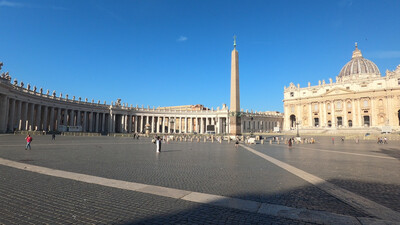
(119, 180)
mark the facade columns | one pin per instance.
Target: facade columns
(141, 124)
(103, 122)
(90, 121)
(18, 121)
(158, 125)
(333, 114)
(84, 127)
(129, 123)
(31, 117)
(97, 123)
(162, 125)
(52, 119)
(71, 117)
(3, 113)
(78, 118)
(45, 115)
(24, 119)
(65, 117)
(58, 119)
(152, 124)
(186, 120)
(11, 115)
(38, 117)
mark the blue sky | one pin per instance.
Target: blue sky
(165, 53)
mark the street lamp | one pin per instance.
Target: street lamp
(297, 125)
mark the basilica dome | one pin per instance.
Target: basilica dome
(358, 67)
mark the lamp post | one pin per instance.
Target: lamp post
(297, 125)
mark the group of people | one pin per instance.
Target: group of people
(382, 140)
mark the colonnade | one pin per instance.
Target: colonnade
(20, 115)
(259, 125)
(157, 123)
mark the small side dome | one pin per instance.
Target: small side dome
(359, 67)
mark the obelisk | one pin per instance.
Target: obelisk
(234, 112)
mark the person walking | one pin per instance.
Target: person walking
(158, 144)
(53, 136)
(28, 142)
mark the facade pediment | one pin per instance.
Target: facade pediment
(337, 91)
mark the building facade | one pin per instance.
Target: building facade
(26, 108)
(360, 98)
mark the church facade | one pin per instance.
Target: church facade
(360, 98)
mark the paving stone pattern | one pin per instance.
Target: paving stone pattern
(31, 198)
(211, 168)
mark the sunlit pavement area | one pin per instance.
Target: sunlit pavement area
(109, 180)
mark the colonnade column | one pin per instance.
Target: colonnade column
(345, 113)
(90, 121)
(103, 122)
(152, 124)
(3, 113)
(65, 117)
(180, 124)
(162, 125)
(19, 112)
(84, 126)
(58, 119)
(52, 119)
(31, 123)
(333, 114)
(11, 115)
(129, 123)
(158, 124)
(186, 120)
(23, 116)
(78, 118)
(38, 117)
(71, 117)
(45, 115)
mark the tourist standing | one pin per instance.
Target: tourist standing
(158, 144)
(28, 142)
(333, 140)
(53, 136)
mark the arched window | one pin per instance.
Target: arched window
(365, 103)
(380, 102)
(350, 122)
(349, 105)
(329, 106)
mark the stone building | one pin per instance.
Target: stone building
(359, 99)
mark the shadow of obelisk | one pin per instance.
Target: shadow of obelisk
(234, 112)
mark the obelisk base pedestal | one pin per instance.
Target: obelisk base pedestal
(235, 125)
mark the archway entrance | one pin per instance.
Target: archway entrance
(398, 115)
(366, 121)
(292, 121)
(316, 122)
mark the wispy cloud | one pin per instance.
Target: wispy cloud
(182, 39)
(13, 4)
(386, 54)
(5, 3)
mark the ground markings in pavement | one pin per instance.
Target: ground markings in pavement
(29, 198)
(359, 202)
(348, 153)
(233, 203)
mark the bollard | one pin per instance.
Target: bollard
(262, 142)
(278, 142)
(205, 139)
(270, 142)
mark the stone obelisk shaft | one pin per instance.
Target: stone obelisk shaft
(235, 122)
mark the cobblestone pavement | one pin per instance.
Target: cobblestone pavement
(211, 168)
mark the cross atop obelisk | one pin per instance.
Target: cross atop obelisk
(234, 117)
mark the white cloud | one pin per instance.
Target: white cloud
(11, 4)
(386, 54)
(5, 3)
(182, 39)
